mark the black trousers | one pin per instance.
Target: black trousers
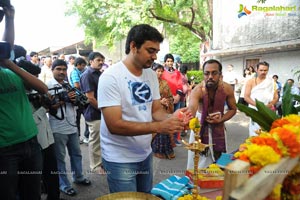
(20, 168)
(50, 173)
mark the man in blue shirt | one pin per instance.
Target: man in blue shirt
(80, 65)
(89, 85)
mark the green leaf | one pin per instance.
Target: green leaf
(287, 101)
(266, 112)
(256, 116)
(296, 97)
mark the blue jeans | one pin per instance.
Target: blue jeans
(71, 141)
(135, 177)
(21, 169)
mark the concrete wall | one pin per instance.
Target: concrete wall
(258, 27)
(116, 54)
(281, 63)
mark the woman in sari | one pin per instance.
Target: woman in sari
(162, 144)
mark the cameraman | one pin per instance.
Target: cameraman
(63, 125)
(20, 154)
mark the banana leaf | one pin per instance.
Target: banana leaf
(269, 115)
(288, 101)
(259, 116)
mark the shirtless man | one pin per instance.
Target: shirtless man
(263, 89)
(210, 97)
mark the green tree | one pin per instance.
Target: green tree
(186, 45)
(108, 21)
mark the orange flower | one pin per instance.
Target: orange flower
(267, 140)
(279, 123)
(289, 139)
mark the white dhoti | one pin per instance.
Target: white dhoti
(263, 92)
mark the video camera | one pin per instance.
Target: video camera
(39, 100)
(45, 100)
(81, 99)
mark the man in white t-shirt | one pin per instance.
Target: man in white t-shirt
(128, 95)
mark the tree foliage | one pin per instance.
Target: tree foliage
(186, 45)
(108, 21)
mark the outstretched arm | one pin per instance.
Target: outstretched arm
(195, 98)
(30, 80)
(118, 126)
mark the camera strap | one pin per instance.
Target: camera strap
(62, 114)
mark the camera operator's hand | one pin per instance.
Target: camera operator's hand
(9, 12)
(72, 96)
(46, 101)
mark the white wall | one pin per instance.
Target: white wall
(281, 63)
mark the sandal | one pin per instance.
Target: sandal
(69, 192)
(84, 182)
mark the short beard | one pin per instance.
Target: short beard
(212, 85)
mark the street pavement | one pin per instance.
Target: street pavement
(237, 132)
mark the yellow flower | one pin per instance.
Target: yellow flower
(194, 124)
(262, 155)
(293, 118)
(190, 197)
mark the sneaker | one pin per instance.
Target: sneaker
(178, 144)
(85, 140)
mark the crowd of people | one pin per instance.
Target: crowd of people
(133, 110)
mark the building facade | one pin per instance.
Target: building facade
(246, 32)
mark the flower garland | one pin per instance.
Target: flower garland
(283, 140)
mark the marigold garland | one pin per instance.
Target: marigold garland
(283, 140)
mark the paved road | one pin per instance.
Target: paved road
(237, 129)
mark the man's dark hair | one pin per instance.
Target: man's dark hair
(211, 61)
(141, 33)
(167, 56)
(72, 57)
(79, 61)
(19, 51)
(292, 80)
(58, 62)
(94, 55)
(183, 69)
(275, 76)
(20, 60)
(33, 53)
(262, 63)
